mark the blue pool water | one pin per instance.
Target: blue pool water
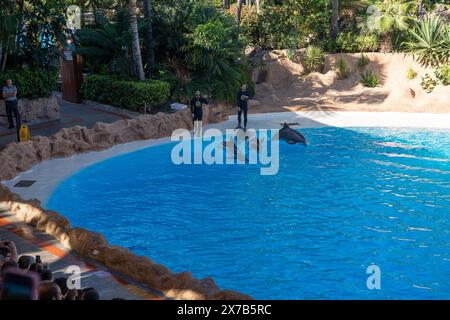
(352, 198)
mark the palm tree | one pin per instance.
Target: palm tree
(135, 45)
(335, 19)
(238, 11)
(150, 44)
(390, 15)
(108, 44)
(9, 20)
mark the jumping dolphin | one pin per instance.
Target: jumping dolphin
(291, 136)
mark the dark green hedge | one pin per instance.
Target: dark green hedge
(31, 84)
(131, 95)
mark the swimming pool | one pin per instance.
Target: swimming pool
(352, 198)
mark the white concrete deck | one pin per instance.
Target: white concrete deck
(50, 173)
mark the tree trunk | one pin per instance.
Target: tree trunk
(258, 6)
(4, 59)
(150, 44)
(1, 51)
(334, 19)
(238, 11)
(136, 47)
(226, 4)
(386, 43)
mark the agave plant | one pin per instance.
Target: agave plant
(369, 79)
(313, 59)
(342, 69)
(431, 41)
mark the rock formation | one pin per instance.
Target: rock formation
(32, 110)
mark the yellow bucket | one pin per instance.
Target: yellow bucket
(24, 133)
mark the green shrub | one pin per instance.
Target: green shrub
(428, 83)
(131, 95)
(31, 84)
(351, 43)
(313, 59)
(346, 42)
(363, 62)
(443, 74)
(411, 73)
(368, 43)
(342, 69)
(370, 79)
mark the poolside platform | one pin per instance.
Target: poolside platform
(72, 114)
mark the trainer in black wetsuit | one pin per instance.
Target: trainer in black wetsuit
(242, 103)
(197, 106)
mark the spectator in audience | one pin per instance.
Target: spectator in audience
(5, 255)
(67, 294)
(5, 266)
(37, 267)
(8, 250)
(90, 294)
(25, 262)
(8, 265)
(49, 291)
(39, 277)
(46, 275)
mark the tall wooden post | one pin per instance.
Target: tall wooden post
(71, 76)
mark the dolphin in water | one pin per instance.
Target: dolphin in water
(291, 136)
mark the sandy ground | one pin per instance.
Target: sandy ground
(284, 88)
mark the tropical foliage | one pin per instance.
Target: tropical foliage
(443, 74)
(200, 49)
(428, 83)
(199, 44)
(107, 44)
(130, 95)
(431, 41)
(363, 62)
(369, 79)
(342, 69)
(411, 74)
(313, 59)
(349, 42)
(31, 83)
(31, 33)
(388, 16)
